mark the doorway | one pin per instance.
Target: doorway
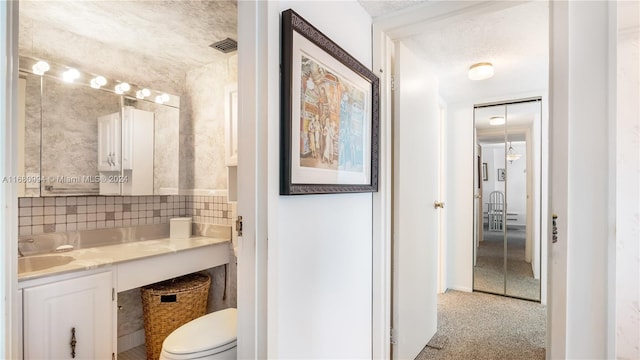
(507, 217)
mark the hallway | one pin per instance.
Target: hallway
(483, 326)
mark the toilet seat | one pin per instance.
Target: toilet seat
(205, 336)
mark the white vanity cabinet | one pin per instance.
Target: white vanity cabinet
(137, 151)
(125, 152)
(109, 142)
(56, 311)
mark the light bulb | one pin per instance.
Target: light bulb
(100, 80)
(125, 86)
(70, 75)
(118, 89)
(165, 97)
(40, 67)
(139, 94)
(146, 92)
(97, 82)
(159, 99)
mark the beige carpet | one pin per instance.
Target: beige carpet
(487, 327)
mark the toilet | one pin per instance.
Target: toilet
(212, 336)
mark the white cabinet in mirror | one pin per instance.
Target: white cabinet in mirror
(87, 134)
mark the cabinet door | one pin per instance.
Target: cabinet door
(109, 142)
(53, 311)
(127, 137)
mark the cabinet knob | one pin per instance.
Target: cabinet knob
(73, 343)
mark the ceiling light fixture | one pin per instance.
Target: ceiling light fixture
(496, 120)
(480, 71)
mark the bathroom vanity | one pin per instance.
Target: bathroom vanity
(70, 299)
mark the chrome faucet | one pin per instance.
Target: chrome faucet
(20, 254)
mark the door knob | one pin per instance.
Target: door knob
(438, 204)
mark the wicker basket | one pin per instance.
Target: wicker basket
(169, 304)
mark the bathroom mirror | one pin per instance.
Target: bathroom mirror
(61, 139)
(507, 210)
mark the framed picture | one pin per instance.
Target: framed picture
(501, 175)
(485, 174)
(330, 115)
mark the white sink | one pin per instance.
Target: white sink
(41, 262)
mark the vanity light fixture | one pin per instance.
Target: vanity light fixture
(98, 82)
(143, 93)
(40, 67)
(161, 99)
(480, 71)
(70, 75)
(496, 120)
(122, 88)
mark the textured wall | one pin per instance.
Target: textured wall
(202, 161)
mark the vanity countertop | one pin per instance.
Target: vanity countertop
(91, 258)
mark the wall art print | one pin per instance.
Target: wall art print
(330, 115)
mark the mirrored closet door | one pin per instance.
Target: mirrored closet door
(507, 237)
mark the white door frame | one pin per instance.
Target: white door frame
(386, 29)
(11, 318)
(252, 166)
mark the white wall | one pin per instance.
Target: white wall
(320, 246)
(493, 155)
(627, 266)
(459, 169)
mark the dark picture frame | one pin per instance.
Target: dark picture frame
(329, 115)
(485, 173)
(501, 175)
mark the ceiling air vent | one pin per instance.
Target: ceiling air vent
(226, 46)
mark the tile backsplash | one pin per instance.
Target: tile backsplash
(40, 215)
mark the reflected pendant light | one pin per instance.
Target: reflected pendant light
(512, 154)
(480, 71)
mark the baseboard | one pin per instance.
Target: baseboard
(130, 341)
(460, 288)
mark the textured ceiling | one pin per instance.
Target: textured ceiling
(514, 39)
(377, 8)
(177, 33)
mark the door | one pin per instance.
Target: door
(415, 220)
(109, 142)
(78, 309)
(508, 246)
